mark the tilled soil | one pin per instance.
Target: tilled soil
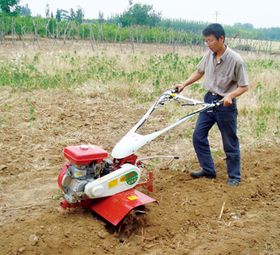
(191, 217)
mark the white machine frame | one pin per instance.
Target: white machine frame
(133, 141)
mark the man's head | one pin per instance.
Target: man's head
(214, 36)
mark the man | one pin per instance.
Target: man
(225, 79)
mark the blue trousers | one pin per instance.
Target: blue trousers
(226, 119)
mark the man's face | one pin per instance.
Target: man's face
(213, 43)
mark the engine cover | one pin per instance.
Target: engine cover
(84, 154)
(117, 181)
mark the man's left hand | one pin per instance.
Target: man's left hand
(227, 100)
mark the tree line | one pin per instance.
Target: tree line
(140, 22)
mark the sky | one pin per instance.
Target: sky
(260, 13)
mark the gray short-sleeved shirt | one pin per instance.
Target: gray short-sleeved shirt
(224, 76)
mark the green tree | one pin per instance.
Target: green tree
(79, 15)
(244, 25)
(25, 11)
(72, 15)
(47, 10)
(139, 14)
(58, 15)
(9, 6)
(101, 17)
(64, 14)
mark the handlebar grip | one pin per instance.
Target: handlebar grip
(175, 90)
(218, 102)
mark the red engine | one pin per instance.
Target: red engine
(87, 163)
(84, 154)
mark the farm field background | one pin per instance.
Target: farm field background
(64, 94)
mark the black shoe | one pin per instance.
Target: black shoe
(201, 173)
(233, 182)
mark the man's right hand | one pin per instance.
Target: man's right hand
(195, 76)
(180, 87)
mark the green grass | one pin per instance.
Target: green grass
(142, 77)
(156, 70)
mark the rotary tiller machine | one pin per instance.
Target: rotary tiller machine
(108, 186)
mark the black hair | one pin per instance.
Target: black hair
(214, 29)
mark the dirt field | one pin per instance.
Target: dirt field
(35, 126)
